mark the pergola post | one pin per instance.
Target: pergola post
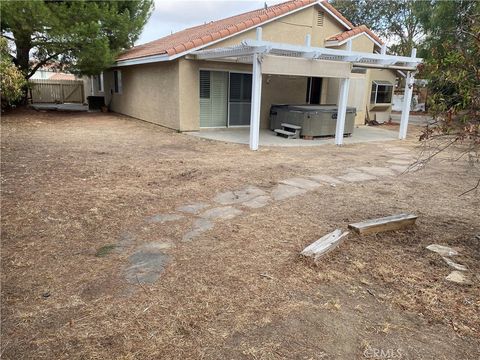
(407, 101)
(342, 110)
(256, 98)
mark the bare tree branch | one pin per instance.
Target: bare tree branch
(475, 187)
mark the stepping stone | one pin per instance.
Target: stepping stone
(193, 208)
(356, 176)
(163, 218)
(377, 171)
(146, 265)
(238, 196)
(454, 265)
(282, 192)
(199, 227)
(442, 250)
(301, 183)
(258, 202)
(326, 179)
(221, 213)
(458, 277)
(399, 162)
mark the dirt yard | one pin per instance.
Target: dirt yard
(83, 194)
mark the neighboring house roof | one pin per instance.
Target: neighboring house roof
(339, 39)
(197, 37)
(62, 76)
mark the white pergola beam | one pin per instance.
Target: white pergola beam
(342, 110)
(332, 52)
(360, 59)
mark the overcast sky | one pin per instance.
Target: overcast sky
(174, 15)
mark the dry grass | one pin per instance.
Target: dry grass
(75, 184)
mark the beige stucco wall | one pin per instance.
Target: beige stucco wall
(150, 92)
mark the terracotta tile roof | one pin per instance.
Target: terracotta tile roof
(203, 34)
(62, 76)
(355, 31)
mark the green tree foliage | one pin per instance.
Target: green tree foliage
(84, 36)
(12, 81)
(452, 66)
(398, 21)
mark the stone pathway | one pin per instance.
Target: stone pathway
(147, 261)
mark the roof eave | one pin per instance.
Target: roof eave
(143, 60)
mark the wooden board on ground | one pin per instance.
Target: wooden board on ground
(394, 222)
(324, 245)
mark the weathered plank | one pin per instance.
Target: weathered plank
(324, 245)
(394, 222)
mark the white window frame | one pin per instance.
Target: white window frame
(377, 83)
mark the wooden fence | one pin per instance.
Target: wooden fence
(56, 91)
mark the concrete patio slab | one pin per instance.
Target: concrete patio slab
(268, 138)
(60, 107)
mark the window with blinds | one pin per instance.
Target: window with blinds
(204, 84)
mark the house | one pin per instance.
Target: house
(52, 71)
(229, 72)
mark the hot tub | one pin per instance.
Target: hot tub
(315, 120)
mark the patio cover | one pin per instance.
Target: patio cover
(285, 59)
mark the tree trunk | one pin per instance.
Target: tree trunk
(23, 54)
(23, 46)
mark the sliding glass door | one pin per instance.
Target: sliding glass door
(240, 98)
(225, 99)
